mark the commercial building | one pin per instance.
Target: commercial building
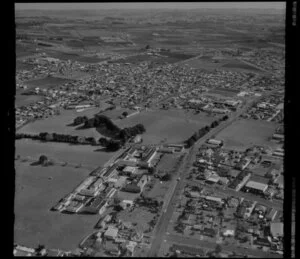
(256, 187)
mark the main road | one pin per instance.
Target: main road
(163, 222)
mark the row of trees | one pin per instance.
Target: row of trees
(203, 131)
(123, 136)
(45, 136)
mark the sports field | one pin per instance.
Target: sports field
(172, 126)
(63, 152)
(59, 124)
(245, 133)
(35, 194)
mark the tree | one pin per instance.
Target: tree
(125, 114)
(218, 249)
(103, 142)
(43, 160)
(166, 177)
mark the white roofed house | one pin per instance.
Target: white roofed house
(215, 142)
(256, 187)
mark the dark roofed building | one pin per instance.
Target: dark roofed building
(132, 187)
(188, 249)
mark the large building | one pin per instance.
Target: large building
(256, 187)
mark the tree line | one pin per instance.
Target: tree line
(120, 136)
(203, 131)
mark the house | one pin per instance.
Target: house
(228, 233)
(112, 248)
(187, 250)
(262, 241)
(137, 139)
(276, 229)
(213, 178)
(111, 232)
(130, 169)
(209, 232)
(272, 214)
(132, 187)
(149, 156)
(278, 136)
(143, 181)
(126, 203)
(120, 181)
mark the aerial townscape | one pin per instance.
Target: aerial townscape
(149, 132)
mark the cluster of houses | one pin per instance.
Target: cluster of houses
(213, 104)
(269, 109)
(268, 60)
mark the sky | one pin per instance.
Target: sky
(147, 5)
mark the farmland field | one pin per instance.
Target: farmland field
(171, 126)
(35, 195)
(63, 152)
(245, 133)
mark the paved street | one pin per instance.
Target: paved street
(228, 248)
(164, 219)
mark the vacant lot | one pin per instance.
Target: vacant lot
(138, 216)
(36, 193)
(84, 154)
(171, 126)
(59, 124)
(245, 133)
(167, 162)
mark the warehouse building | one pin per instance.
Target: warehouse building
(256, 187)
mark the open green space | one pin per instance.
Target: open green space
(37, 190)
(172, 126)
(245, 133)
(60, 124)
(75, 154)
(24, 100)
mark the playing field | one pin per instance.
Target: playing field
(170, 126)
(245, 133)
(63, 152)
(35, 194)
(59, 124)
(24, 100)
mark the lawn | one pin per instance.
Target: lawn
(171, 126)
(167, 162)
(139, 216)
(59, 124)
(245, 133)
(24, 100)
(84, 154)
(35, 195)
